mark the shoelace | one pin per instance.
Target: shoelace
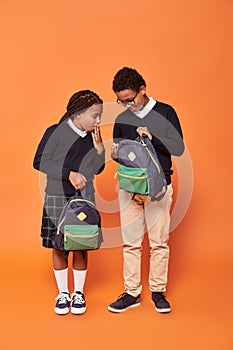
(159, 296)
(63, 298)
(122, 296)
(78, 299)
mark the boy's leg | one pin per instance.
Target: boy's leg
(132, 228)
(158, 222)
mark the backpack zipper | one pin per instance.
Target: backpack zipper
(153, 160)
(83, 236)
(82, 200)
(58, 227)
(133, 177)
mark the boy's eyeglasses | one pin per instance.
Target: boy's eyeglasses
(128, 103)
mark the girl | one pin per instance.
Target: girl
(70, 153)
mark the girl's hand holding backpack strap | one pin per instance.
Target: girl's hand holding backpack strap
(78, 180)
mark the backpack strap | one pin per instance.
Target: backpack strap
(85, 194)
(66, 254)
(160, 196)
(133, 196)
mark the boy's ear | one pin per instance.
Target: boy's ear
(143, 89)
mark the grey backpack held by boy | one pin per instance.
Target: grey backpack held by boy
(139, 170)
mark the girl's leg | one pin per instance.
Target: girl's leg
(78, 304)
(60, 268)
(80, 260)
(79, 269)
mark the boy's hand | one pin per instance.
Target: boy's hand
(143, 130)
(114, 150)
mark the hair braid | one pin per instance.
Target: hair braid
(80, 101)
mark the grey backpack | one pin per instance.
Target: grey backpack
(79, 226)
(139, 170)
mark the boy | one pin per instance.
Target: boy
(160, 123)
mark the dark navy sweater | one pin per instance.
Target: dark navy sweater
(163, 123)
(60, 151)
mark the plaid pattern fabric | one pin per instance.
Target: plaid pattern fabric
(53, 206)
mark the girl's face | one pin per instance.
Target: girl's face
(90, 118)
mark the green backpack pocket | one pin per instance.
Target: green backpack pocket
(134, 180)
(81, 237)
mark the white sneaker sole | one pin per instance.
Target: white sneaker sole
(163, 311)
(78, 311)
(61, 311)
(122, 310)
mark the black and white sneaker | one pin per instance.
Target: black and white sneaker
(124, 302)
(161, 304)
(62, 306)
(78, 304)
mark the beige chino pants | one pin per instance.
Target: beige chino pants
(138, 216)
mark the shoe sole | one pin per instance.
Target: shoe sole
(61, 311)
(76, 311)
(163, 311)
(122, 310)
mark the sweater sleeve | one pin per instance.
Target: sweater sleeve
(43, 158)
(117, 136)
(173, 142)
(99, 163)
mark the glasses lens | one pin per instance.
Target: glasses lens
(125, 104)
(130, 103)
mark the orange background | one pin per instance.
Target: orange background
(49, 50)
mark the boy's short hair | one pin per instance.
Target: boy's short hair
(127, 78)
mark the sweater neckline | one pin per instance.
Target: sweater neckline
(148, 107)
(76, 130)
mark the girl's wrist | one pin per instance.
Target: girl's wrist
(100, 148)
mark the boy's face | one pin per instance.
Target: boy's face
(132, 99)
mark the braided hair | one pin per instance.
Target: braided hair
(127, 78)
(80, 101)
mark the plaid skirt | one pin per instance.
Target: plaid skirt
(52, 209)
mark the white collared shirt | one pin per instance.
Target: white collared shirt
(148, 107)
(77, 130)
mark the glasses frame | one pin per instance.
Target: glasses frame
(128, 103)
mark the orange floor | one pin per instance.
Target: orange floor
(200, 292)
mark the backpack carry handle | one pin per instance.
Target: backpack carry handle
(141, 138)
(82, 193)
